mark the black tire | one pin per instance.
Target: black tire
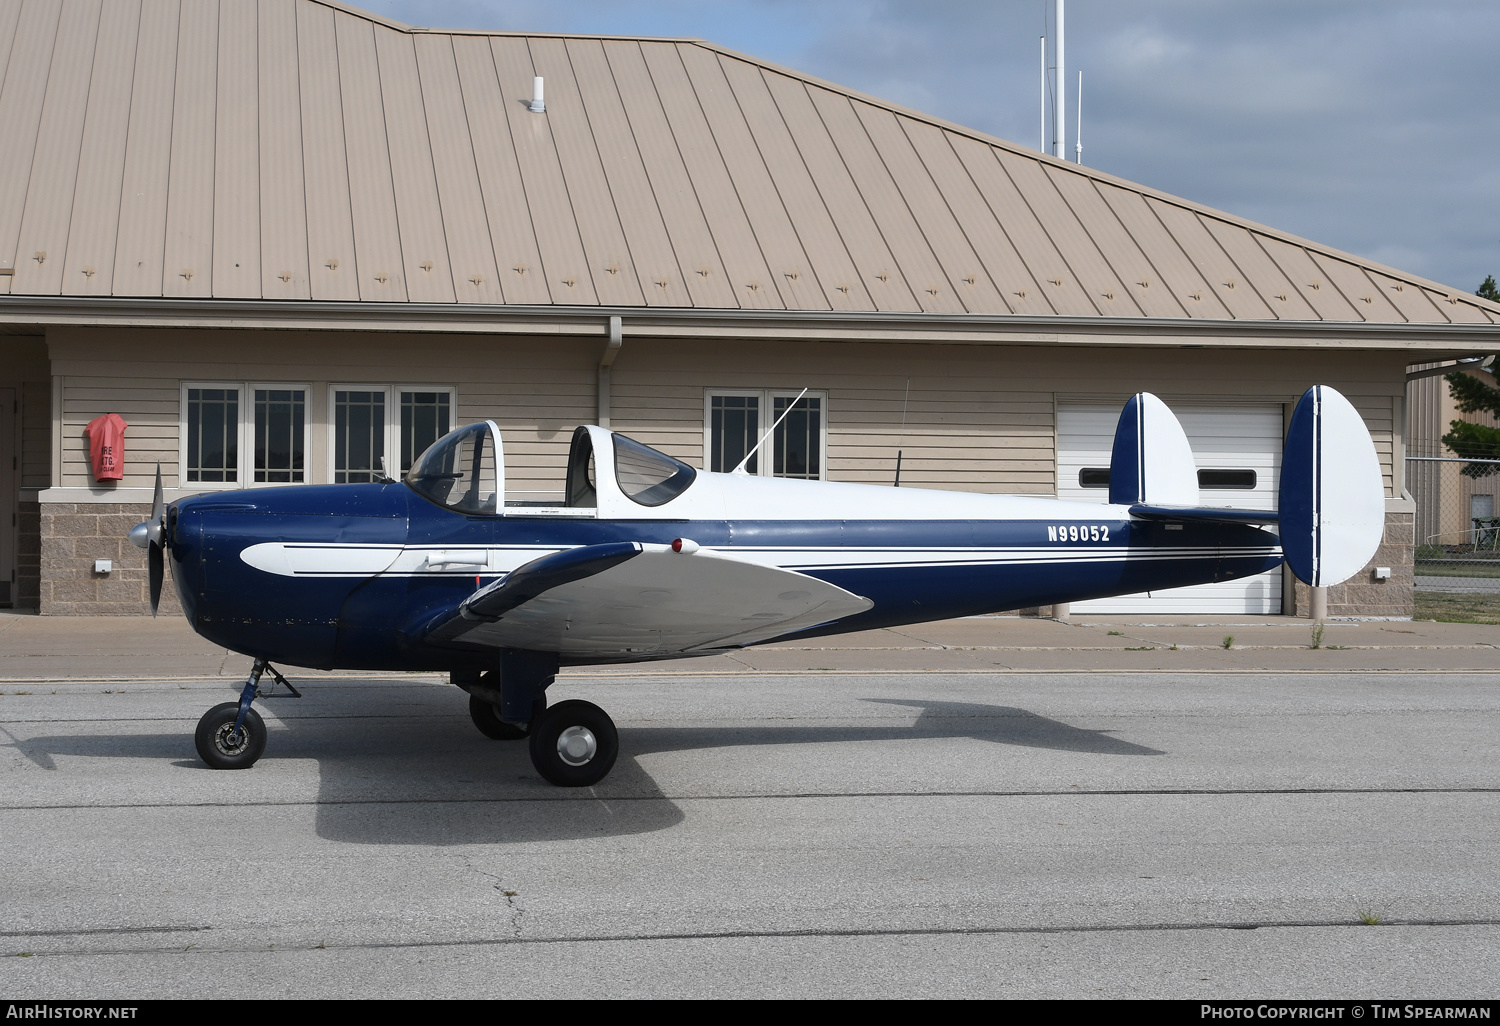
(585, 755)
(487, 718)
(216, 745)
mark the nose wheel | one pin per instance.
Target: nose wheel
(224, 741)
(232, 735)
(574, 744)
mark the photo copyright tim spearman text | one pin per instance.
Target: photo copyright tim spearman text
(1341, 1011)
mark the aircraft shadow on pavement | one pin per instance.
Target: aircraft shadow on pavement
(426, 777)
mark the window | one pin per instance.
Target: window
(1222, 479)
(219, 428)
(734, 421)
(249, 434)
(461, 473)
(647, 476)
(371, 423)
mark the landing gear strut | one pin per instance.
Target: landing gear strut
(232, 735)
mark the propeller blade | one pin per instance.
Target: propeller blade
(155, 563)
(158, 512)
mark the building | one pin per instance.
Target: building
(285, 238)
(1453, 510)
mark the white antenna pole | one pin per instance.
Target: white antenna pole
(1078, 146)
(790, 407)
(1060, 136)
(1043, 97)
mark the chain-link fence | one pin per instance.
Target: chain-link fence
(1457, 524)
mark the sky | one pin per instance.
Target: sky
(1372, 126)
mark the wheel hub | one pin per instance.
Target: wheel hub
(231, 741)
(577, 745)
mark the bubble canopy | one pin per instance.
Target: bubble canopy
(462, 471)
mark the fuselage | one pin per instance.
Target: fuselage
(345, 576)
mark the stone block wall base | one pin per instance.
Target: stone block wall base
(1362, 594)
(71, 537)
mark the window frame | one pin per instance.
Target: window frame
(392, 393)
(765, 456)
(244, 434)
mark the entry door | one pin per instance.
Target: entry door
(10, 472)
(1231, 439)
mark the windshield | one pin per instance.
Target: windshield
(458, 471)
(647, 476)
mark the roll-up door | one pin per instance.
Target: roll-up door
(1238, 452)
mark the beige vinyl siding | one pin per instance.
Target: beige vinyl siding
(979, 418)
(537, 390)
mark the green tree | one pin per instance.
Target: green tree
(1475, 441)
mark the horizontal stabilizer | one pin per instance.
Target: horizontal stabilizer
(1152, 463)
(1332, 490)
(1206, 514)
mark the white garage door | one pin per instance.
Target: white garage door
(1238, 451)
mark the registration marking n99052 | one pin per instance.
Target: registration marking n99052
(1078, 532)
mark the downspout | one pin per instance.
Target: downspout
(611, 350)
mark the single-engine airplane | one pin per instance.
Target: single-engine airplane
(648, 558)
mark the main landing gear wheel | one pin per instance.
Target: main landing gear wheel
(487, 718)
(574, 744)
(223, 747)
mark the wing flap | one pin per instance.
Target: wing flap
(628, 600)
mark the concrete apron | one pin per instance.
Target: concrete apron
(62, 648)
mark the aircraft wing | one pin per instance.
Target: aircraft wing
(632, 599)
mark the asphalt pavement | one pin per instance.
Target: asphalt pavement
(993, 807)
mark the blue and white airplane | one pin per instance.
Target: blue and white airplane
(649, 558)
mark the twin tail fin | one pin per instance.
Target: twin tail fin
(1332, 494)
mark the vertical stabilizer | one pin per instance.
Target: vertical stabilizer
(1152, 463)
(1332, 492)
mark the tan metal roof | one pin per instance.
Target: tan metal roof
(305, 150)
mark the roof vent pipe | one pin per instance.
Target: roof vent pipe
(536, 106)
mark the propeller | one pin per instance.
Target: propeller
(151, 536)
